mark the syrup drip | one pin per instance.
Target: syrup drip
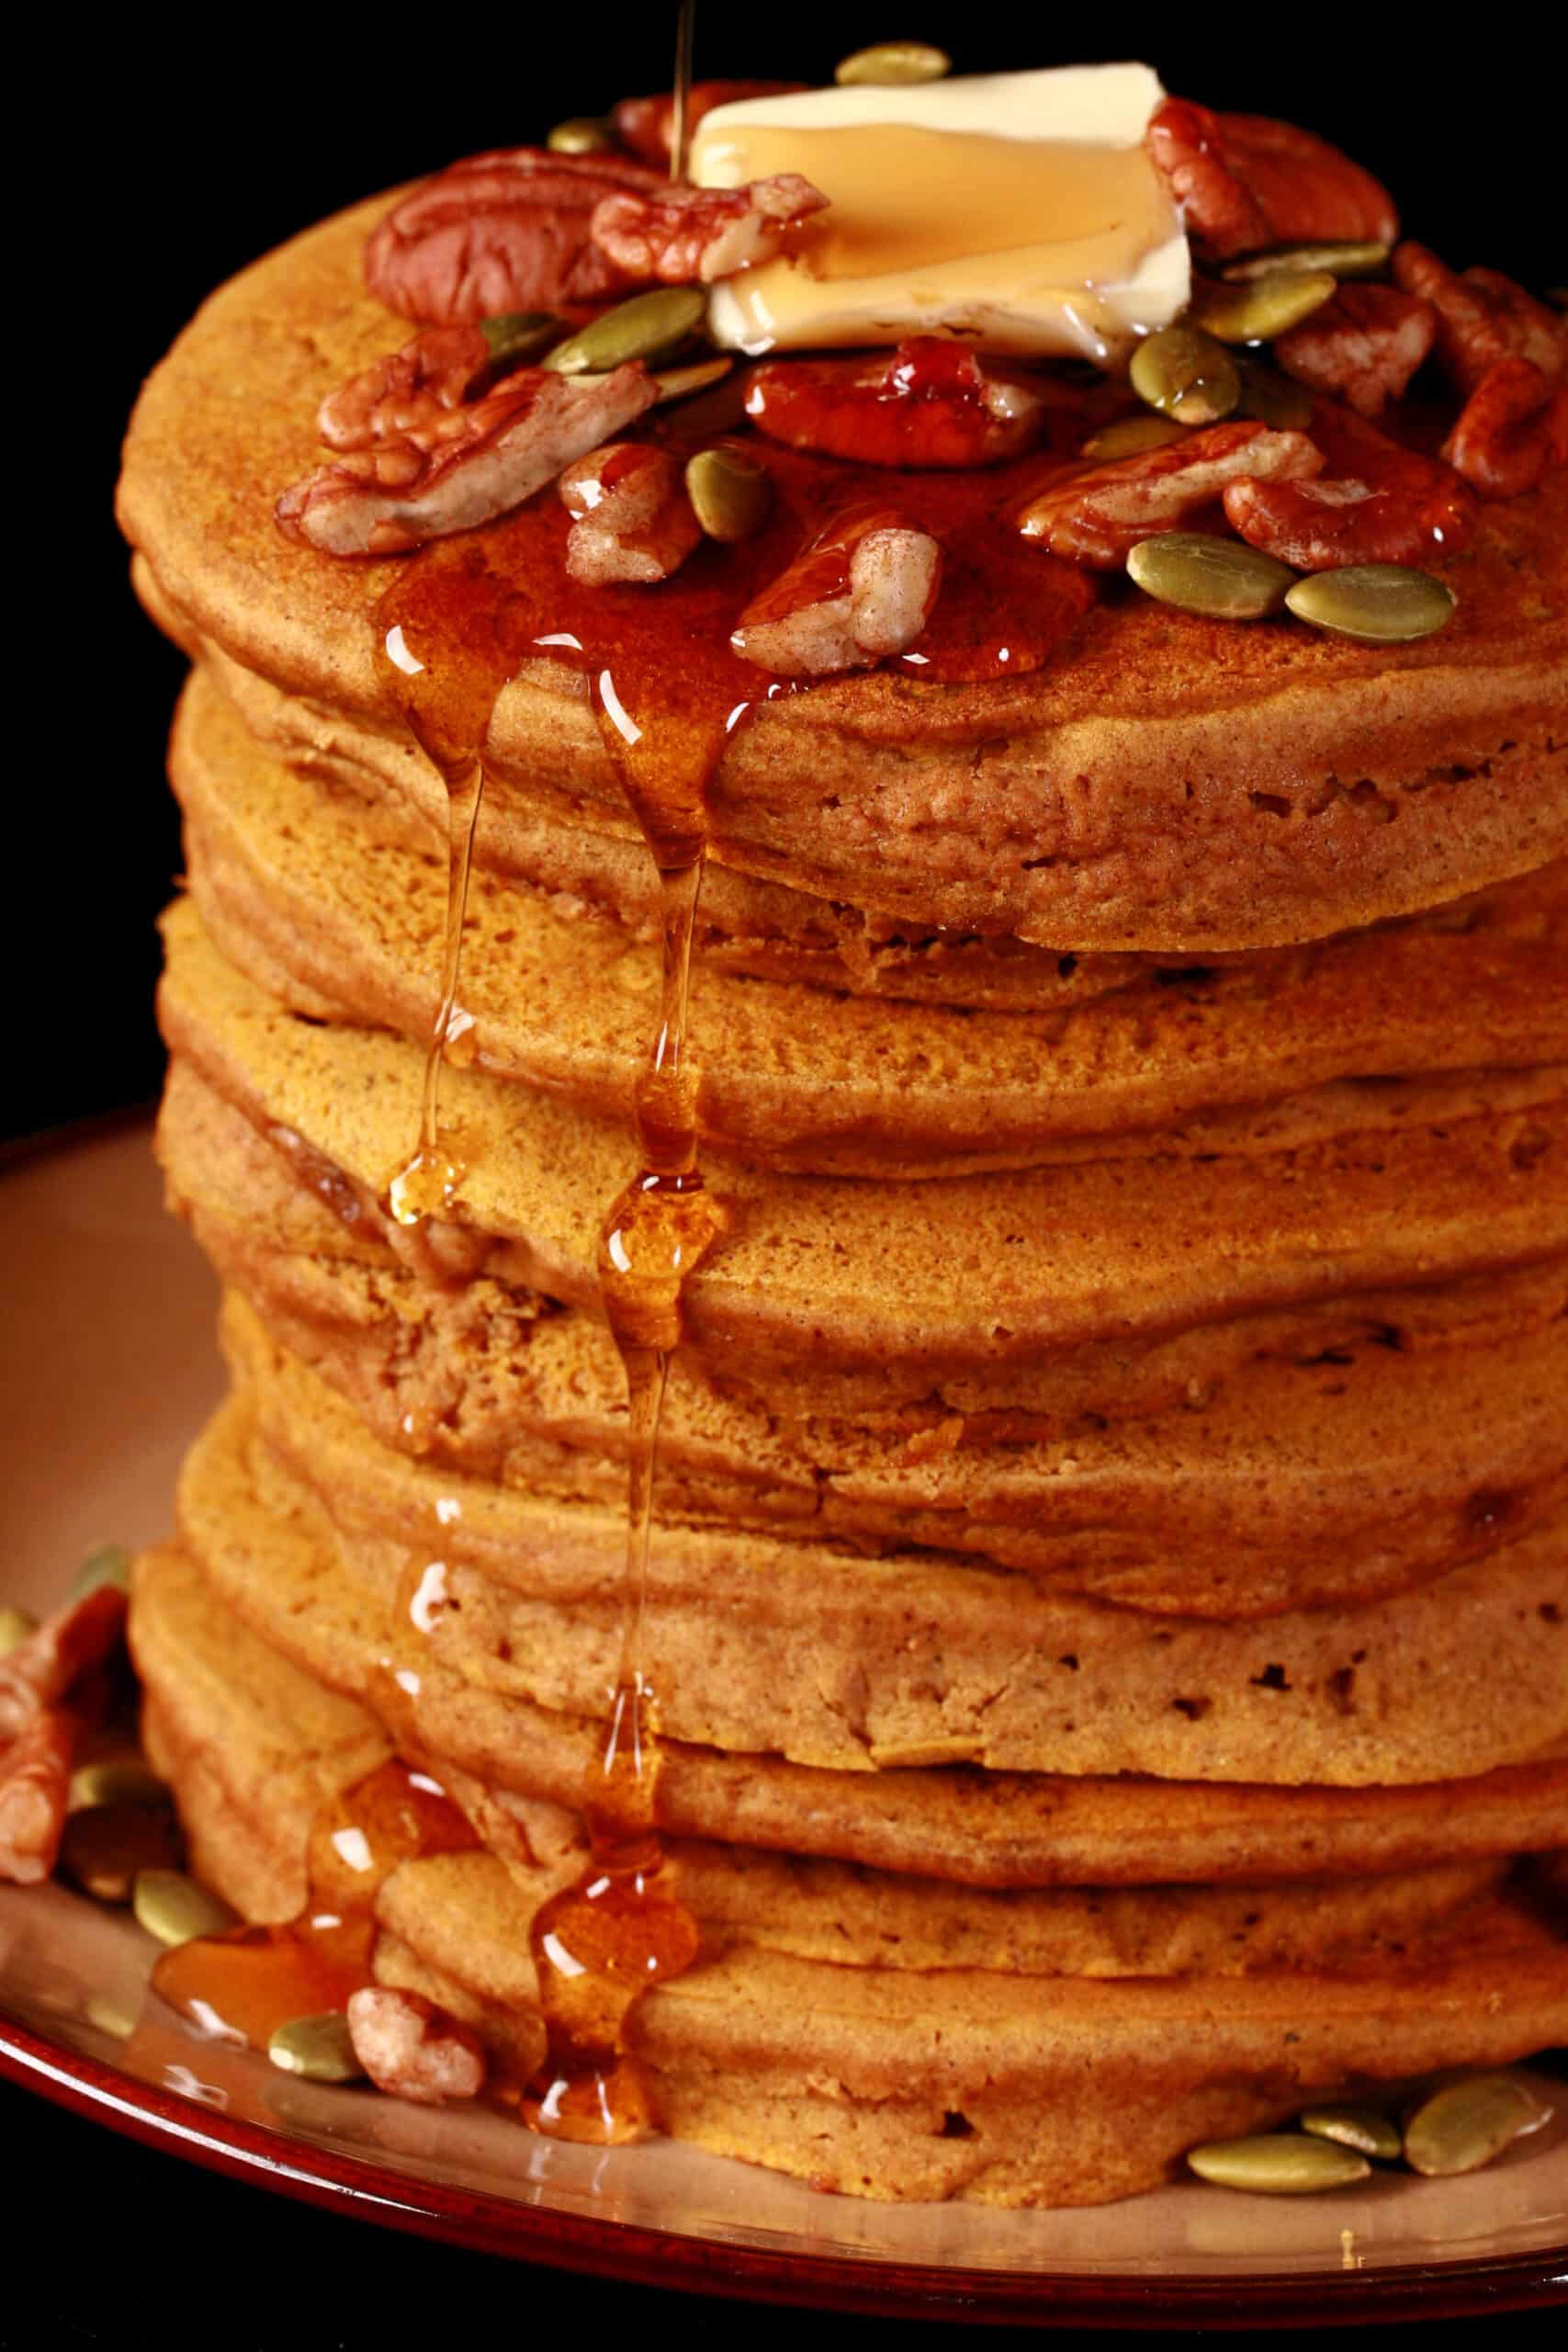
(243, 1985)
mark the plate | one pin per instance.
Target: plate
(108, 1370)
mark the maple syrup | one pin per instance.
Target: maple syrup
(242, 1986)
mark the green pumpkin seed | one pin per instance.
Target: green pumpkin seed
(1131, 436)
(514, 335)
(1279, 2163)
(1463, 2126)
(115, 2018)
(1377, 604)
(1361, 2127)
(319, 2048)
(680, 383)
(1273, 398)
(107, 1564)
(642, 328)
(582, 134)
(1219, 578)
(1265, 308)
(1347, 258)
(892, 64)
(731, 493)
(16, 1624)
(123, 1778)
(1185, 374)
(176, 1909)
(107, 1847)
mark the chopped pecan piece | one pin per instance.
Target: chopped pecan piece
(929, 402)
(413, 389)
(647, 125)
(1095, 515)
(1511, 431)
(413, 2049)
(1406, 509)
(1365, 343)
(37, 1727)
(1483, 317)
(633, 519)
(506, 231)
(465, 465)
(859, 593)
(1243, 181)
(686, 236)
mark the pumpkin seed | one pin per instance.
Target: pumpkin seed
(680, 383)
(118, 2019)
(320, 2048)
(892, 63)
(1273, 398)
(122, 1778)
(513, 335)
(731, 493)
(1361, 2127)
(1347, 257)
(1131, 436)
(1264, 308)
(1185, 374)
(1279, 2163)
(639, 329)
(1378, 604)
(106, 1564)
(581, 134)
(107, 1847)
(16, 1624)
(1219, 578)
(176, 1909)
(1463, 2126)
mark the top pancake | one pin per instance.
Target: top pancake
(1165, 783)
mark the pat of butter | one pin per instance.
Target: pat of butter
(1017, 211)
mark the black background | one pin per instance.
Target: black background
(187, 159)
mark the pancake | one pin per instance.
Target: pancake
(1230, 2009)
(560, 1001)
(1163, 783)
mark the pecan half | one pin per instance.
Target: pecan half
(929, 402)
(413, 2049)
(1511, 431)
(37, 1728)
(506, 231)
(1243, 181)
(1095, 515)
(647, 125)
(463, 466)
(633, 519)
(1404, 509)
(54, 1657)
(859, 593)
(685, 236)
(1365, 343)
(412, 391)
(1483, 317)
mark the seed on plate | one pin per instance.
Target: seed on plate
(1378, 604)
(1219, 578)
(1467, 2123)
(894, 63)
(105, 1848)
(639, 329)
(731, 493)
(1185, 374)
(320, 2048)
(106, 1564)
(1347, 257)
(1361, 2127)
(1131, 436)
(1267, 307)
(176, 1909)
(1279, 2163)
(581, 134)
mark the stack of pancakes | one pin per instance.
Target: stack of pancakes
(1109, 1597)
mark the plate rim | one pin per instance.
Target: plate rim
(633, 2254)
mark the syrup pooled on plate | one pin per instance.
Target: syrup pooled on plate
(240, 1986)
